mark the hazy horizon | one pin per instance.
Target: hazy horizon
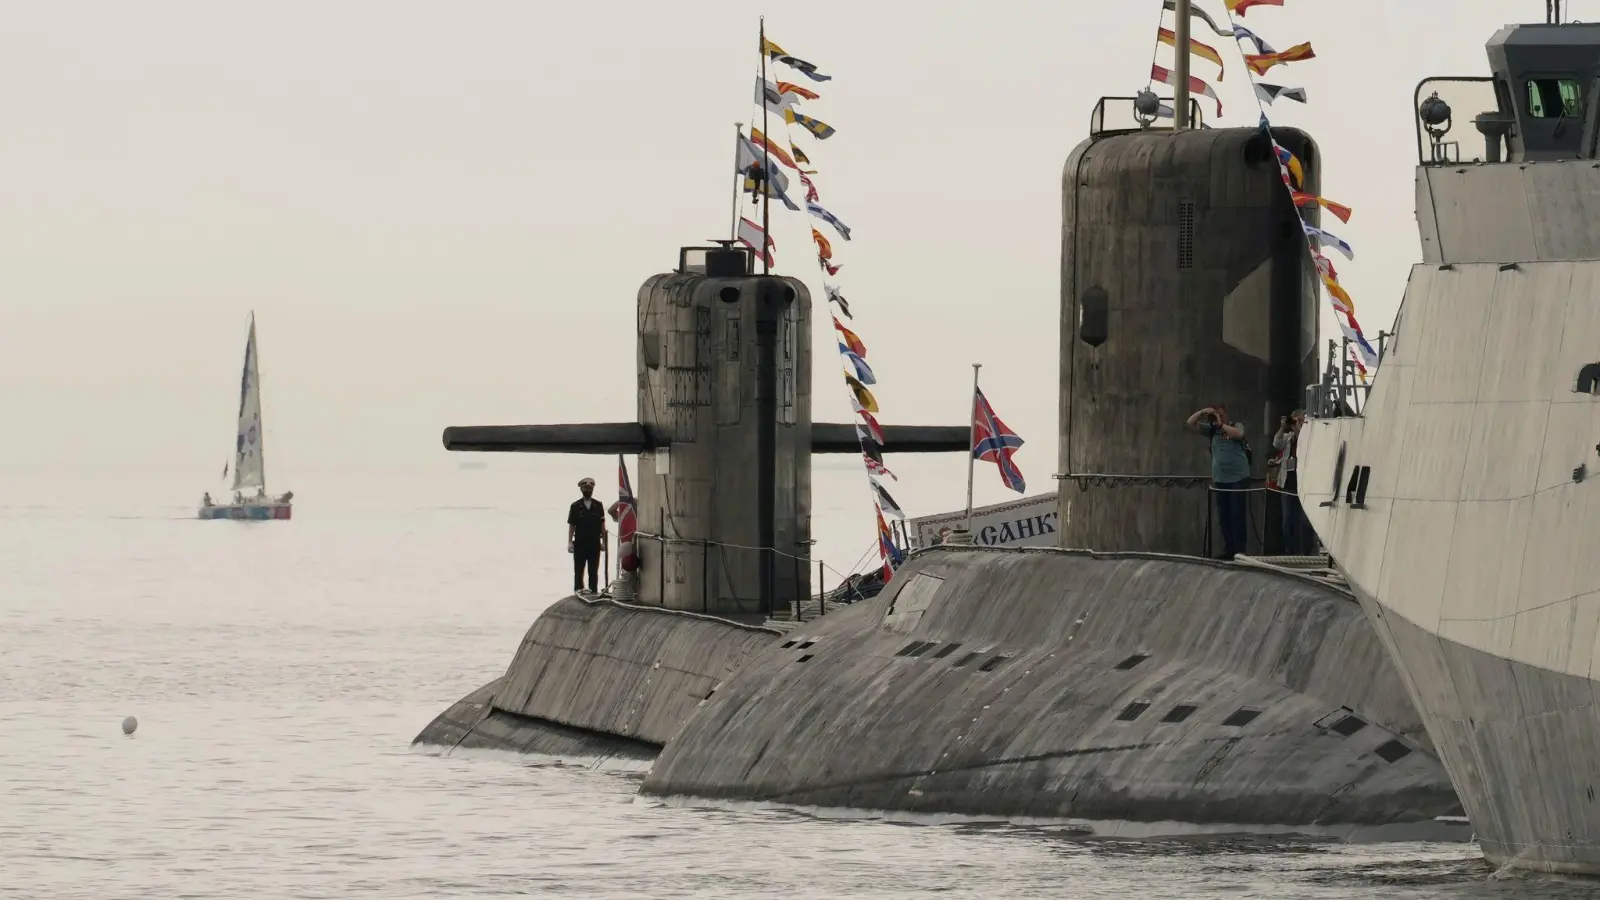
(442, 216)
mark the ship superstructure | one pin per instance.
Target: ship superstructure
(1456, 492)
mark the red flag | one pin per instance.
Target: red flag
(624, 511)
(626, 514)
(850, 340)
(1165, 76)
(873, 428)
(750, 235)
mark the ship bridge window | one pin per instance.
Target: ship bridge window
(1554, 98)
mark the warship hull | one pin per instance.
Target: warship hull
(1455, 507)
(1457, 494)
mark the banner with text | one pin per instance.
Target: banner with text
(1030, 522)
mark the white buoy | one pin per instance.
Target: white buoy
(129, 724)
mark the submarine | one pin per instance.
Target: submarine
(1120, 681)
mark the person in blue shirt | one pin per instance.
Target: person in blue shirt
(1230, 473)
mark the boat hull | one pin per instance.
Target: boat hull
(1459, 508)
(247, 512)
(1521, 742)
(836, 714)
(1063, 685)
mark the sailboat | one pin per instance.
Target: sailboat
(249, 462)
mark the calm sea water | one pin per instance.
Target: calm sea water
(280, 670)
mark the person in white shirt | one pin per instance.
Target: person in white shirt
(1294, 523)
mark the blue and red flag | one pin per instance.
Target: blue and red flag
(626, 514)
(994, 442)
(886, 547)
(624, 510)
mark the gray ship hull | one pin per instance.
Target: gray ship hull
(599, 679)
(1522, 743)
(1167, 694)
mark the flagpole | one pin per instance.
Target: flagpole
(1180, 70)
(766, 161)
(738, 178)
(972, 439)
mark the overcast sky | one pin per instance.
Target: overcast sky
(441, 213)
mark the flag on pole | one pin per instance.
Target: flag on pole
(1204, 51)
(849, 338)
(863, 396)
(873, 428)
(1259, 63)
(834, 296)
(626, 515)
(1198, 13)
(819, 129)
(1339, 210)
(773, 149)
(876, 467)
(750, 234)
(1271, 92)
(886, 502)
(886, 547)
(749, 164)
(862, 370)
(1165, 76)
(816, 210)
(1328, 239)
(773, 97)
(1241, 33)
(993, 442)
(785, 87)
(799, 65)
(1240, 6)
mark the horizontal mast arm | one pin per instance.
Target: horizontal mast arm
(829, 437)
(598, 438)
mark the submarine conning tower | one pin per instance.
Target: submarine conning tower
(1185, 283)
(724, 437)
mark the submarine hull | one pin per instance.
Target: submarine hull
(595, 678)
(1063, 685)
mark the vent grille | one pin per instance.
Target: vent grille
(1132, 711)
(1241, 718)
(1185, 234)
(1132, 661)
(1394, 751)
(993, 663)
(1179, 713)
(1347, 726)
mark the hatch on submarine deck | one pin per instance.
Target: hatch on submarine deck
(1128, 684)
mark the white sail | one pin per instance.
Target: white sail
(249, 466)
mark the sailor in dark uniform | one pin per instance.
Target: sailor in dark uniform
(586, 534)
